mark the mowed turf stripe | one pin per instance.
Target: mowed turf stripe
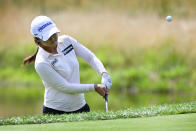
(182, 122)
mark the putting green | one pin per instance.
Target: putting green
(183, 122)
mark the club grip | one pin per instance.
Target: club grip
(106, 96)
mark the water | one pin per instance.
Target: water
(123, 100)
(20, 101)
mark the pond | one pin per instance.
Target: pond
(20, 101)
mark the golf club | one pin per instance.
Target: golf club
(106, 101)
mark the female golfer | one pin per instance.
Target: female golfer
(57, 65)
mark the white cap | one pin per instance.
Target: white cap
(43, 27)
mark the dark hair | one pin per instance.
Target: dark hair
(31, 58)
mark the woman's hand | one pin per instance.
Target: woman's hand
(106, 80)
(101, 89)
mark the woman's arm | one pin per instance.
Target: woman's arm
(84, 53)
(53, 79)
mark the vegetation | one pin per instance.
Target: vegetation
(161, 68)
(141, 51)
(181, 122)
(128, 113)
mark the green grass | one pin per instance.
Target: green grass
(183, 122)
(171, 71)
(93, 116)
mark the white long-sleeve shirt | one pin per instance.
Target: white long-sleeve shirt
(60, 74)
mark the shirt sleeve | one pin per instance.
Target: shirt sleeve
(89, 57)
(55, 80)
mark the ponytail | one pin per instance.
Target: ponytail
(30, 59)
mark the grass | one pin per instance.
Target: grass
(181, 122)
(93, 116)
(136, 69)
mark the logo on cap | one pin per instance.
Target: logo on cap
(44, 26)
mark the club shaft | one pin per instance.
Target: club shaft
(106, 106)
(106, 102)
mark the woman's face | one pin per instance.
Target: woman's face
(51, 42)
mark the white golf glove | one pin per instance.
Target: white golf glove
(106, 80)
